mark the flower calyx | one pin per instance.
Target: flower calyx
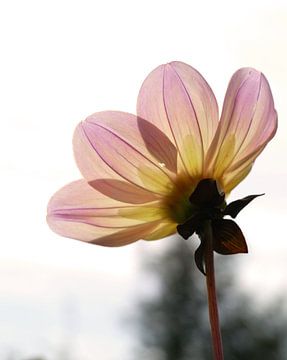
(208, 202)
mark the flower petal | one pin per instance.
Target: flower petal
(79, 202)
(103, 236)
(126, 236)
(158, 145)
(144, 136)
(177, 99)
(231, 179)
(110, 145)
(163, 230)
(79, 211)
(80, 194)
(248, 122)
(123, 191)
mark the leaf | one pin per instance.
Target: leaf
(228, 238)
(236, 206)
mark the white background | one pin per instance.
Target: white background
(60, 61)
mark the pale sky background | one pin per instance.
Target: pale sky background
(60, 62)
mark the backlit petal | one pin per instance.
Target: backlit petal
(79, 211)
(177, 99)
(143, 213)
(163, 230)
(232, 179)
(116, 149)
(79, 202)
(143, 135)
(123, 191)
(103, 236)
(80, 194)
(248, 122)
(127, 236)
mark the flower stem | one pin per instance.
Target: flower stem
(211, 292)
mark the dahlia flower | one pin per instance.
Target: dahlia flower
(169, 167)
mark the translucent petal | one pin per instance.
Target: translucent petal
(248, 122)
(111, 143)
(126, 236)
(163, 230)
(81, 212)
(123, 191)
(143, 135)
(144, 213)
(177, 99)
(80, 194)
(102, 236)
(231, 179)
(152, 179)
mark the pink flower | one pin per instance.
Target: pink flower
(139, 171)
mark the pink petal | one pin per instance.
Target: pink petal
(79, 202)
(118, 146)
(248, 122)
(144, 136)
(80, 194)
(80, 212)
(127, 236)
(102, 236)
(177, 99)
(158, 145)
(123, 191)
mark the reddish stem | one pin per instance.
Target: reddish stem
(211, 292)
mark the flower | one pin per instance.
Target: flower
(142, 174)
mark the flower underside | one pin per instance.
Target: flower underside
(168, 167)
(208, 204)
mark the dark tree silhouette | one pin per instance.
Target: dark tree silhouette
(173, 324)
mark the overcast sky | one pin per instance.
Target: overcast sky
(60, 62)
